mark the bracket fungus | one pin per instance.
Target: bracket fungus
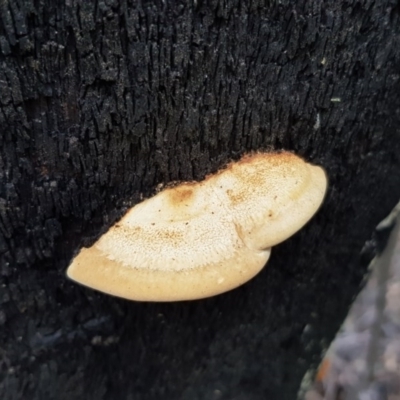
(200, 239)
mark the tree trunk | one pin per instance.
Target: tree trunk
(102, 101)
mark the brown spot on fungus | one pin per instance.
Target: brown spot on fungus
(180, 194)
(200, 239)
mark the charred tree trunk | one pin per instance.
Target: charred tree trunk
(102, 101)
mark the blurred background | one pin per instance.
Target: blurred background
(363, 362)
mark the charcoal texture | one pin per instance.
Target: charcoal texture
(102, 101)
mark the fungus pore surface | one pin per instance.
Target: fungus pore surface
(200, 239)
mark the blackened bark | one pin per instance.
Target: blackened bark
(101, 101)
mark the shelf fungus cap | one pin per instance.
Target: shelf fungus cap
(203, 238)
